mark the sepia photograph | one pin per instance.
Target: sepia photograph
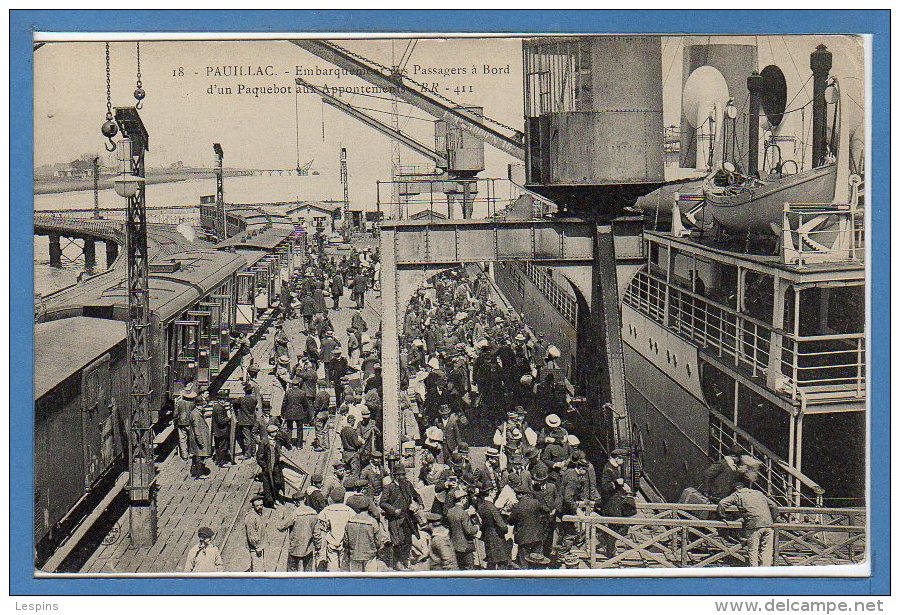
(435, 305)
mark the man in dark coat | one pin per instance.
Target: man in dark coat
(351, 444)
(360, 284)
(319, 305)
(619, 504)
(574, 492)
(339, 368)
(720, 478)
(326, 351)
(399, 500)
(321, 405)
(200, 442)
(358, 322)
(312, 350)
(285, 301)
(245, 418)
(463, 529)
(527, 517)
(612, 472)
(293, 411)
(269, 459)
(308, 309)
(449, 423)
(222, 428)
(497, 550)
(337, 289)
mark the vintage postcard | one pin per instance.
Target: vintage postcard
(395, 305)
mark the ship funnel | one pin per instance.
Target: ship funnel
(734, 57)
(704, 97)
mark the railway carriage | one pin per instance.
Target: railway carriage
(200, 298)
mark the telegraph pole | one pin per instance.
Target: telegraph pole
(141, 453)
(345, 182)
(222, 224)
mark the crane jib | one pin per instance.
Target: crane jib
(439, 110)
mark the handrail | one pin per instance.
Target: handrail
(743, 337)
(674, 538)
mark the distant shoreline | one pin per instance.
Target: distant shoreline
(56, 185)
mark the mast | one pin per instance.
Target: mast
(755, 86)
(820, 63)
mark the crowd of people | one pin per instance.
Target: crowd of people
(484, 407)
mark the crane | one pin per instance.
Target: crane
(439, 160)
(504, 138)
(303, 171)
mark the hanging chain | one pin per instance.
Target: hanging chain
(139, 64)
(109, 128)
(109, 114)
(139, 92)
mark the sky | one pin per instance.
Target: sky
(184, 120)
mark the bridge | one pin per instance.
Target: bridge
(88, 231)
(162, 239)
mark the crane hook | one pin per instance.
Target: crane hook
(109, 130)
(139, 95)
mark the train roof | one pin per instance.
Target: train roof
(194, 273)
(267, 239)
(64, 347)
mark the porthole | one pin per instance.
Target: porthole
(688, 368)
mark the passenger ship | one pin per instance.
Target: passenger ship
(748, 338)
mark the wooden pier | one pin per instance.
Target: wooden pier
(221, 501)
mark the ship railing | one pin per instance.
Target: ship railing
(561, 301)
(827, 363)
(693, 536)
(822, 233)
(741, 337)
(775, 477)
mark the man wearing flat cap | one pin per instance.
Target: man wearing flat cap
(254, 531)
(363, 538)
(441, 555)
(528, 518)
(612, 472)
(204, 556)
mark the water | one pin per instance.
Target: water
(237, 190)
